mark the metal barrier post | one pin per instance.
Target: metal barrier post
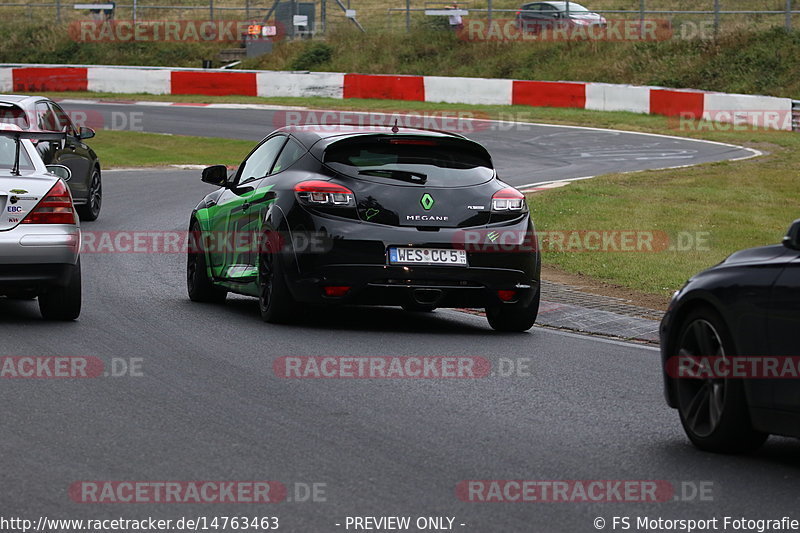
(788, 15)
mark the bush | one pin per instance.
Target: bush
(316, 54)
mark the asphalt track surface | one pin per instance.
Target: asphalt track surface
(523, 153)
(208, 406)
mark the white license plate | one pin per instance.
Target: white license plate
(427, 256)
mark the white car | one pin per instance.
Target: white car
(40, 235)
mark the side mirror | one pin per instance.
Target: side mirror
(792, 239)
(85, 133)
(61, 171)
(216, 175)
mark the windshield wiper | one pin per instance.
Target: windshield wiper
(404, 175)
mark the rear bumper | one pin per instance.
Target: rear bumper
(34, 279)
(36, 257)
(355, 255)
(437, 286)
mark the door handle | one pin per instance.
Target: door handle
(245, 206)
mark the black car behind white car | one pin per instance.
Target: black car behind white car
(37, 113)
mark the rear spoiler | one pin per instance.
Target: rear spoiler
(31, 135)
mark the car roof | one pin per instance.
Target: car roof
(561, 6)
(19, 98)
(311, 133)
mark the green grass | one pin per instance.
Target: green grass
(737, 204)
(135, 149)
(753, 62)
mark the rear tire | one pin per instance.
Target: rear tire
(198, 284)
(275, 302)
(513, 317)
(713, 412)
(63, 303)
(91, 210)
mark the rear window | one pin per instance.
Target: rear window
(442, 159)
(11, 114)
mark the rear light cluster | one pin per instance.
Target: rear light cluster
(55, 208)
(508, 199)
(325, 194)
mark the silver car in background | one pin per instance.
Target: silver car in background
(40, 235)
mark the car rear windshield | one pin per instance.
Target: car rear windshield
(11, 114)
(8, 147)
(442, 159)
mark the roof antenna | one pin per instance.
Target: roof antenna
(395, 129)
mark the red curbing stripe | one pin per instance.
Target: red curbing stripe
(213, 83)
(548, 94)
(384, 87)
(38, 79)
(676, 103)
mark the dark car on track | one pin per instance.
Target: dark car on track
(374, 216)
(40, 114)
(538, 16)
(736, 327)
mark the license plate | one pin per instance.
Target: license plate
(427, 256)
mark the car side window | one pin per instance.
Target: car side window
(290, 153)
(258, 164)
(64, 123)
(45, 118)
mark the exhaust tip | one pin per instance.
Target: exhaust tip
(427, 296)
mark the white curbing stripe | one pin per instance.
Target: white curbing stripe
(468, 90)
(609, 97)
(298, 85)
(116, 80)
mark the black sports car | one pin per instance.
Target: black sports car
(40, 114)
(733, 329)
(360, 215)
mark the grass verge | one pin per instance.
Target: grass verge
(136, 149)
(732, 205)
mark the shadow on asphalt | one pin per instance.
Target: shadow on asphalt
(777, 451)
(375, 319)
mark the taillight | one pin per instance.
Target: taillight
(508, 199)
(55, 208)
(506, 296)
(325, 193)
(336, 291)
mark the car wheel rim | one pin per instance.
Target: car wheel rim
(95, 193)
(701, 400)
